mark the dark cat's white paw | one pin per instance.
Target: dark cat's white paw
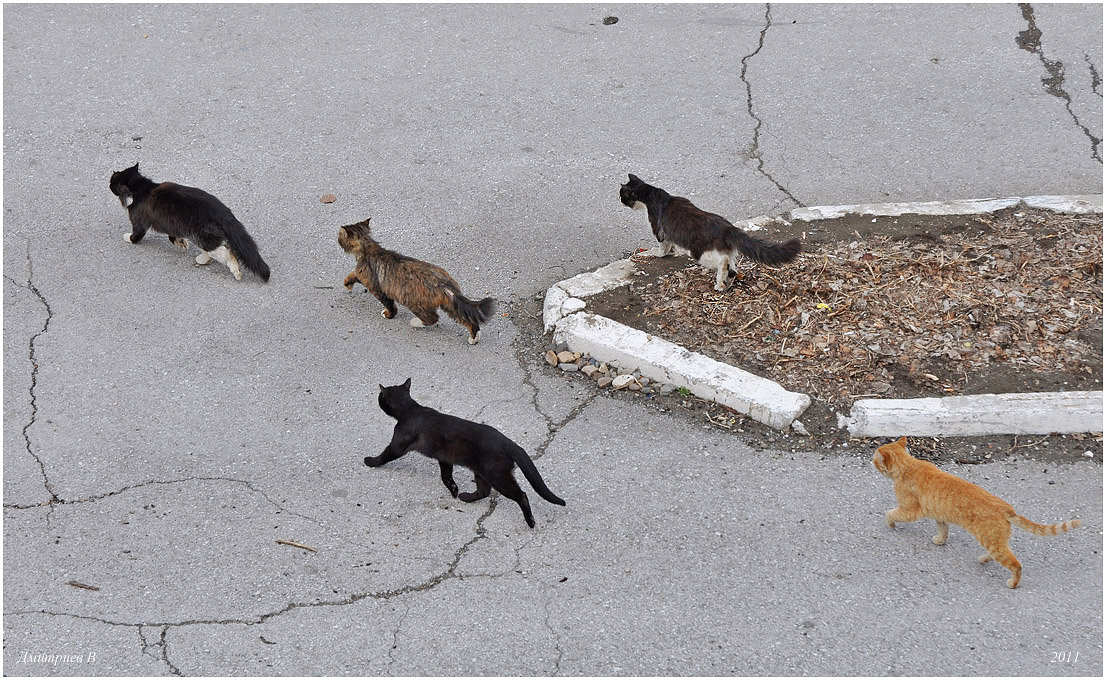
(203, 259)
(127, 238)
(473, 340)
(416, 323)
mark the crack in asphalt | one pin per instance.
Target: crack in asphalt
(557, 641)
(1097, 82)
(754, 150)
(1054, 80)
(32, 390)
(159, 649)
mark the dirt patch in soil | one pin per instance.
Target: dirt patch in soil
(908, 306)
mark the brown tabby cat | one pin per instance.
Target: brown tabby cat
(925, 491)
(417, 285)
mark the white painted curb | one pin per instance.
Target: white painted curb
(660, 360)
(563, 312)
(1016, 414)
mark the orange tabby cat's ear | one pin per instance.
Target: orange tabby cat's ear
(878, 460)
(902, 442)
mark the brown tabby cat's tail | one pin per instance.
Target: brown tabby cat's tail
(760, 250)
(1043, 530)
(469, 313)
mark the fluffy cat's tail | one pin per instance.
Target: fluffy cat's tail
(472, 313)
(1044, 530)
(531, 474)
(760, 250)
(244, 248)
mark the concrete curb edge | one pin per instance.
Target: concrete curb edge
(565, 313)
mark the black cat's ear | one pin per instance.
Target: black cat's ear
(380, 386)
(633, 178)
(407, 384)
(134, 168)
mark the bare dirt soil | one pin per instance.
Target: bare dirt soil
(908, 306)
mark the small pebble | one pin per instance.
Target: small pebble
(551, 358)
(623, 381)
(604, 381)
(568, 366)
(565, 356)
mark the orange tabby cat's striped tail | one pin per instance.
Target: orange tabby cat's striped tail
(1043, 530)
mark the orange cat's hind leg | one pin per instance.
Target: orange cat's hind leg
(1004, 556)
(943, 533)
(996, 543)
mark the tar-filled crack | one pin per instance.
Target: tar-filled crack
(754, 151)
(33, 390)
(1097, 82)
(1054, 80)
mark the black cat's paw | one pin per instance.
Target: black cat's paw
(372, 461)
(468, 497)
(452, 486)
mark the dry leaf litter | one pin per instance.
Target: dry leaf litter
(849, 320)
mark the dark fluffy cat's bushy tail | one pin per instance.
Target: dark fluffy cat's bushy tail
(531, 474)
(472, 313)
(760, 250)
(244, 248)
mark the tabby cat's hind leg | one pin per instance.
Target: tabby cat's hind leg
(424, 316)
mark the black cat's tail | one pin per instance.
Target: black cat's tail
(244, 248)
(760, 250)
(531, 474)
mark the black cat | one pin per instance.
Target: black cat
(453, 441)
(706, 237)
(186, 213)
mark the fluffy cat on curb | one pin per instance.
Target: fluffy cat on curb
(187, 213)
(419, 286)
(453, 441)
(925, 491)
(707, 238)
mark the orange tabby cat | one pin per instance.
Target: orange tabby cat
(925, 491)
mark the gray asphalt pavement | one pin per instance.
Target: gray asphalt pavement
(165, 425)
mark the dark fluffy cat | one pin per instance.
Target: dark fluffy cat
(417, 285)
(706, 237)
(453, 441)
(187, 213)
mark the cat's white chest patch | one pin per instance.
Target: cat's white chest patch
(638, 205)
(128, 200)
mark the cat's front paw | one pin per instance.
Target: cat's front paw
(721, 287)
(127, 238)
(388, 314)
(473, 340)
(888, 519)
(372, 461)
(938, 540)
